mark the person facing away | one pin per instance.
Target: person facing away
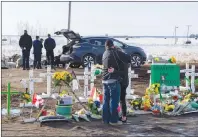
(49, 45)
(112, 76)
(37, 44)
(25, 43)
(124, 83)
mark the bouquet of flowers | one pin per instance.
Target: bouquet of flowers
(62, 78)
(172, 60)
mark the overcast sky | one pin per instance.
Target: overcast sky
(99, 18)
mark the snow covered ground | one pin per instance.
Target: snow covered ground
(152, 46)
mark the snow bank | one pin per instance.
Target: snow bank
(152, 46)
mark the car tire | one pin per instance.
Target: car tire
(74, 65)
(88, 58)
(136, 60)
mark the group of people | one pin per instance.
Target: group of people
(115, 81)
(26, 43)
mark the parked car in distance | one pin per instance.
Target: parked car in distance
(84, 50)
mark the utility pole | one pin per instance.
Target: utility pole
(188, 31)
(69, 18)
(175, 34)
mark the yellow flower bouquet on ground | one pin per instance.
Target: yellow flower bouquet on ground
(61, 78)
(172, 60)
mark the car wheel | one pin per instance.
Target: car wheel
(73, 65)
(87, 59)
(136, 60)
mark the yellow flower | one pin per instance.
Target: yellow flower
(156, 59)
(173, 59)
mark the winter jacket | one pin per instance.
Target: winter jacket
(49, 44)
(117, 60)
(37, 45)
(25, 42)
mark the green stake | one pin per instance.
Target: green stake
(8, 93)
(8, 99)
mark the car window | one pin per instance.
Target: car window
(117, 44)
(98, 42)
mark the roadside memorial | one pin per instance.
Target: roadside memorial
(163, 96)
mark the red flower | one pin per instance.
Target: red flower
(175, 97)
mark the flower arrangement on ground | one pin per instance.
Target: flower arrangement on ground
(172, 60)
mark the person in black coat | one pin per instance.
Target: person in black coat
(49, 45)
(25, 43)
(37, 44)
(124, 83)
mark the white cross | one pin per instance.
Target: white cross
(49, 81)
(130, 91)
(86, 77)
(31, 82)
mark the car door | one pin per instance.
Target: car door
(98, 48)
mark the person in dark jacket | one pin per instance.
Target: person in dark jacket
(37, 52)
(124, 84)
(49, 45)
(25, 43)
(112, 76)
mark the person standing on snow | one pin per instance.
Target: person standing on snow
(25, 43)
(49, 45)
(37, 52)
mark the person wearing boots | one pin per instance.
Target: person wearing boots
(37, 45)
(25, 44)
(49, 45)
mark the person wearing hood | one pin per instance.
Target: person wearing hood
(37, 44)
(25, 44)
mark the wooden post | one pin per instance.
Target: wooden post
(92, 77)
(86, 76)
(187, 76)
(130, 75)
(49, 81)
(193, 79)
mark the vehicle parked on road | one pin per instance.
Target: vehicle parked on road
(84, 50)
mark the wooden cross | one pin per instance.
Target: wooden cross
(49, 81)
(9, 93)
(129, 90)
(31, 82)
